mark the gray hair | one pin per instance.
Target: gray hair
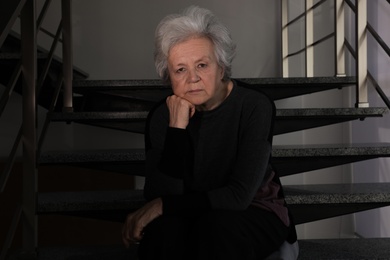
(193, 22)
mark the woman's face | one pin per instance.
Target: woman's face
(195, 74)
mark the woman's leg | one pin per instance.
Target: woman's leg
(251, 234)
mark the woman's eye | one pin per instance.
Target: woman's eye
(202, 65)
(180, 70)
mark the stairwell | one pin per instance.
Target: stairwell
(122, 106)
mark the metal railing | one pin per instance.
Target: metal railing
(358, 52)
(27, 134)
(308, 16)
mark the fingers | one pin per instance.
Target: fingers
(180, 111)
(132, 231)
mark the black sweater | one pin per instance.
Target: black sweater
(219, 161)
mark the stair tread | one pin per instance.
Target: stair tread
(106, 116)
(326, 150)
(81, 156)
(343, 249)
(280, 113)
(299, 81)
(154, 89)
(337, 193)
(73, 201)
(51, 202)
(126, 84)
(294, 112)
(278, 151)
(84, 252)
(259, 82)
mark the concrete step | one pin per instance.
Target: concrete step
(275, 88)
(307, 202)
(102, 252)
(322, 249)
(286, 121)
(314, 157)
(284, 157)
(321, 201)
(345, 249)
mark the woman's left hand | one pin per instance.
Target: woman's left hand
(132, 230)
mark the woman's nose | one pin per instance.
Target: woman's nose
(193, 76)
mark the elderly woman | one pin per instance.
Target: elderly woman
(212, 193)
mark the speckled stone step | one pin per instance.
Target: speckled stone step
(320, 201)
(314, 157)
(126, 161)
(101, 252)
(328, 200)
(275, 88)
(359, 113)
(89, 201)
(291, 120)
(313, 249)
(284, 158)
(345, 249)
(286, 121)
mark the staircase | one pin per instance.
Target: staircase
(123, 105)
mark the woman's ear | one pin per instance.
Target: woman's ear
(222, 72)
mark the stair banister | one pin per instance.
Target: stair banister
(67, 54)
(8, 15)
(285, 70)
(29, 72)
(361, 57)
(339, 39)
(309, 28)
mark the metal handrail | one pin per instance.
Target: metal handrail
(309, 44)
(351, 5)
(312, 45)
(10, 87)
(379, 90)
(27, 131)
(42, 15)
(10, 161)
(11, 13)
(304, 13)
(381, 42)
(378, 39)
(11, 232)
(11, 158)
(51, 109)
(49, 59)
(350, 48)
(48, 33)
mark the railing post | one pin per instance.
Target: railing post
(339, 39)
(285, 70)
(309, 39)
(29, 72)
(67, 54)
(361, 50)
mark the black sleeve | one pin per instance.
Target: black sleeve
(176, 158)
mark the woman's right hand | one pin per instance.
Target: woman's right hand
(180, 111)
(132, 231)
